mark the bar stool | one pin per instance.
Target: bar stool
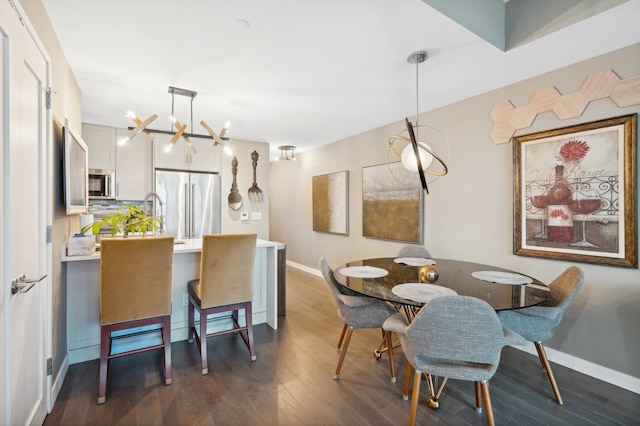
(135, 291)
(225, 285)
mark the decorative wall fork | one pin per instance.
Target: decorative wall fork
(255, 193)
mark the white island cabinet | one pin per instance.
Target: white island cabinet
(83, 297)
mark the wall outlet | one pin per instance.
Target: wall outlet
(244, 216)
(185, 300)
(256, 215)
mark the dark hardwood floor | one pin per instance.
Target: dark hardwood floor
(292, 383)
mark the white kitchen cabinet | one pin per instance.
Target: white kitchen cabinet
(134, 167)
(206, 159)
(101, 141)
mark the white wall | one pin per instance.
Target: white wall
(469, 213)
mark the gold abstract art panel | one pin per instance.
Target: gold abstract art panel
(330, 203)
(391, 203)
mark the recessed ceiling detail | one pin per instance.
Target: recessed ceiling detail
(507, 24)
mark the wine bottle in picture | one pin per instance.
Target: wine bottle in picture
(559, 215)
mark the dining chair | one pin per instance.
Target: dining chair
(456, 337)
(537, 323)
(135, 291)
(357, 312)
(225, 284)
(414, 250)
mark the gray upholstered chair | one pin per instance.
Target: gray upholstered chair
(537, 323)
(225, 285)
(457, 337)
(135, 291)
(414, 250)
(357, 312)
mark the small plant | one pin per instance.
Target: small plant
(125, 220)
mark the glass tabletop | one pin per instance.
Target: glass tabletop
(453, 274)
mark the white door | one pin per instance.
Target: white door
(24, 335)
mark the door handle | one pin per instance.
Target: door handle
(23, 284)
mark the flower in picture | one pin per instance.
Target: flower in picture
(558, 213)
(572, 151)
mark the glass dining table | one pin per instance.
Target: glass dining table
(381, 277)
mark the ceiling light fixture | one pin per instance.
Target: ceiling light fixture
(180, 128)
(417, 155)
(287, 152)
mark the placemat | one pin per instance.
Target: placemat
(414, 261)
(421, 292)
(363, 272)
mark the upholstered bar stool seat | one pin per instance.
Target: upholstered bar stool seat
(225, 285)
(135, 291)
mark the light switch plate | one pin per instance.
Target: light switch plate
(244, 216)
(256, 215)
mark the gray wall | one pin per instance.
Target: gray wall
(468, 214)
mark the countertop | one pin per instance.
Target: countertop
(193, 245)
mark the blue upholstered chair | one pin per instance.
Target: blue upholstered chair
(414, 250)
(457, 337)
(537, 323)
(356, 312)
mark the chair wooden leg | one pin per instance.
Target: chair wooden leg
(487, 403)
(390, 346)
(203, 343)
(542, 354)
(478, 397)
(191, 322)
(343, 352)
(344, 330)
(249, 321)
(407, 377)
(415, 395)
(105, 349)
(166, 341)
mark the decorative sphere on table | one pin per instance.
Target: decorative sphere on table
(429, 274)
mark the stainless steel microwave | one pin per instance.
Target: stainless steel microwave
(102, 184)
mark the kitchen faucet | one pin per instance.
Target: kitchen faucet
(160, 203)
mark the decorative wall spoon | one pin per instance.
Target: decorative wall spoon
(234, 198)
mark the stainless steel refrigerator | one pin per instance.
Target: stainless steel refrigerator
(191, 203)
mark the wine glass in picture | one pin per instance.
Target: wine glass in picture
(584, 202)
(539, 201)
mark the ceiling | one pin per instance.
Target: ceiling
(308, 73)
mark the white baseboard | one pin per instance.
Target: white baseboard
(591, 369)
(58, 381)
(588, 368)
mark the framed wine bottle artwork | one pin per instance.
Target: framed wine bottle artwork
(575, 193)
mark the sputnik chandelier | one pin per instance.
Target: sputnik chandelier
(417, 155)
(179, 129)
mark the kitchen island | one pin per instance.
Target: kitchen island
(83, 297)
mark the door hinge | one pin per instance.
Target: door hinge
(49, 234)
(48, 101)
(49, 366)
